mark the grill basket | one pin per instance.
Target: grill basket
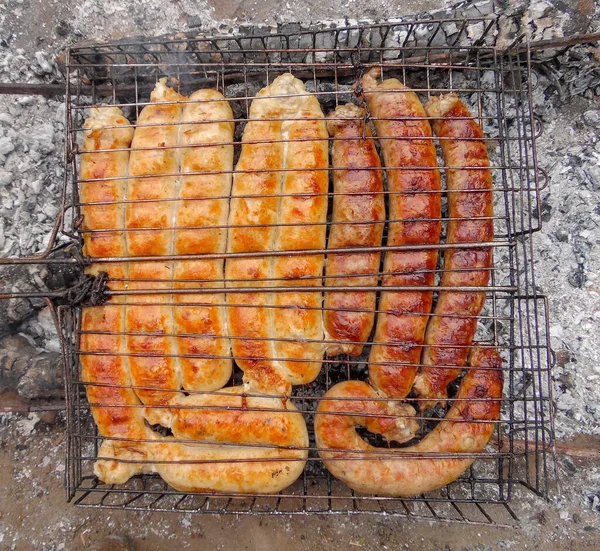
(432, 57)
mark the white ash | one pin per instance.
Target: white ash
(31, 172)
(567, 258)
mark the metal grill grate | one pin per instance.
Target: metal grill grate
(431, 57)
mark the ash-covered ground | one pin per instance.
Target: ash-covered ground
(566, 97)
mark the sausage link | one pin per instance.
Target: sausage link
(349, 316)
(152, 362)
(107, 376)
(411, 165)
(269, 448)
(465, 430)
(298, 327)
(252, 219)
(451, 331)
(293, 150)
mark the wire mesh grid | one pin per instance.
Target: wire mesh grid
(431, 57)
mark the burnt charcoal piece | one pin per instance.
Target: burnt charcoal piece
(43, 377)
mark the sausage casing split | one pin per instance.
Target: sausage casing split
(465, 430)
(451, 331)
(414, 212)
(349, 316)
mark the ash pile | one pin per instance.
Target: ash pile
(566, 97)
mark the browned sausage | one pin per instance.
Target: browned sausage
(349, 316)
(465, 430)
(450, 332)
(405, 139)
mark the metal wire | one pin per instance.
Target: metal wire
(432, 57)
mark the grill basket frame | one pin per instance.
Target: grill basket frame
(421, 53)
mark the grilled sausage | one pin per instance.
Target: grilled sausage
(260, 460)
(209, 121)
(154, 155)
(107, 376)
(465, 430)
(234, 447)
(349, 316)
(414, 210)
(275, 166)
(222, 442)
(450, 332)
(298, 327)
(252, 228)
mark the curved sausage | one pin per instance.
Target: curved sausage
(233, 448)
(466, 429)
(349, 316)
(450, 332)
(411, 166)
(237, 468)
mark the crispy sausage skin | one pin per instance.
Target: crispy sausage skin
(298, 326)
(466, 429)
(252, 227)
(411, 165)
(349, 316)
(107, 377)
(218, 444)
(213, 464)
(450, 332)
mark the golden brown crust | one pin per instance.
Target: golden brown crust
(298, 330)
(462, 146)
(255, 319)
(210, 120)
(213, 464)
(237, 450)
(252, 229)
(154, 155)
(343, 319)
(386, 472)
(107, 376)
(405, 142)
(228, 442)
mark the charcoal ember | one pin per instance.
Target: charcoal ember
(43, 330)
(543, 19)
(327, 93)
(43, 377)
(577, 278)
(545, 211)
(15, 353)
(245, 93)
(24, 279)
